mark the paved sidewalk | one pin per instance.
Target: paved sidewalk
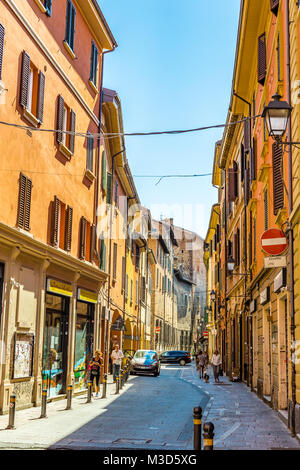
(242, 421)
(34, 433)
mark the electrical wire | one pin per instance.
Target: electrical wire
(120, 134)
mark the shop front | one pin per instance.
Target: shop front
(84, 336)
(56, 331)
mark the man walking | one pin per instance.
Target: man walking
(116, 357)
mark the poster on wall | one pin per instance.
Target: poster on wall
(23, 355)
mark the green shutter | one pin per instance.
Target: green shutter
(104, 178)
(109, 188)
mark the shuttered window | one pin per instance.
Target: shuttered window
(87, 247)
(131, 290)
(25, 189)
(137, 257)
(247, 184)
(235, 179)
(126, 287)
(254, 239)
(55, 221)
(266, 209)
(32, 88)
(102, 254)
(66, 125)
(109, 188)
(115, 254)
(90, 153)
(231, 188)
(250, 240)
(68, 228)
(82, 246)
(116, 192)
(237, 248)
(242, 162)
(104, 173)
(2, 34)
(70, 24)
(94, 63)
(278, 194)
(261, 59)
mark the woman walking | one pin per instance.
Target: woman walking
(95, 367)
(202, 364)
(216, 362)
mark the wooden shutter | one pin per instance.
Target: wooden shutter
(22, 197)
(72, 129)
(247, 133)
(68, 229)
(116, 192)
(82, 238)
(242, 162)
(115, 253)
(247, 185)
(235, 179)
(60, 119)
(109, 188)
(41, 94)
(27, 204)
(55, 221)
(104, 176)
(278, 194)
(123, 272)
(250, 240)
(253, 164)
(261, 59)
(231, 189)
(24, 79)
(2, 34)
(93, 243)
(274, 6)
(90, 150)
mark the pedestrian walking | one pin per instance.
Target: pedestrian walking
(116, 357)
(216, 362)
(95, 368)
(201, 364)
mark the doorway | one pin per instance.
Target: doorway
(55, 345)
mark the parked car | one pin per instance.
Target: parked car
(175, 357)
(145, 361)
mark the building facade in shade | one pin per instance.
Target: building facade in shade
(183, 291)
(189, 260)
(50, 274)
(258, 191)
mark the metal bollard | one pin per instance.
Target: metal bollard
(12, 412)
(69, 397)
(89, 395)
(117, 385)
(44, 404)
(197, 427)
(104, 386)
(121, 379)
(208, 436)
(126, 374)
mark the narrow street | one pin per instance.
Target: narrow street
(153, 413)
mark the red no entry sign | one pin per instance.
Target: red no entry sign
(157, 329)
(205, 334)
(273, 241)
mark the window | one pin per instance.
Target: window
(102, 254)
(104, 173)
(61, 231)
(94, 64)
(137, 257)
(123, 273)
(157, 278)
(32, 91)
(109, 188)
(115, 252)
(87, 240)
(25, 188)
(70, 25)
(126, 287)
(261, 59)
(116, 192)
(66, 120)
(278, 194)
(90, 153)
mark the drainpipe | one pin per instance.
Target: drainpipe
(290, 231)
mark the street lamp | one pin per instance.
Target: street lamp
(230, 264)
(277, 114)
(213, 295)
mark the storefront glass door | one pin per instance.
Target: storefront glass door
(84, 343)
(55, 345)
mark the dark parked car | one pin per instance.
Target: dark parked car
(145, 361)
(175, 357)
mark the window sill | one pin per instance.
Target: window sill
(69, 50)
(89, 175)
(281, 216)
(93, 87)
(30, 117)
(41, 6)
(65, 151)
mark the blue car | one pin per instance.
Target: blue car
(145, 362)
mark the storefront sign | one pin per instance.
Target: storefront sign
(265, 296)
(275, 262)
(87, 296)
(58, 287)
(280, 280)
(253, 306)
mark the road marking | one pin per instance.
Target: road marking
(228, 433)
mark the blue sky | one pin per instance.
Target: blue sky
(173, 70)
